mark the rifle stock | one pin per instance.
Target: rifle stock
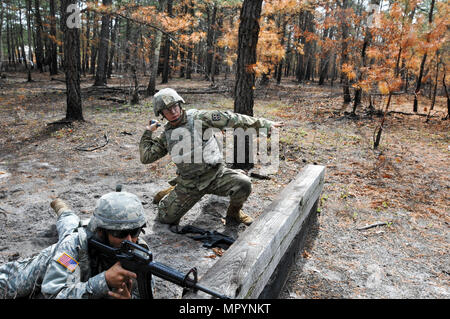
(139, 260)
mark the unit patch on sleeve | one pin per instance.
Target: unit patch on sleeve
(215, 117)
(68, 262)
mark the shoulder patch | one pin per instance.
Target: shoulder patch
(215, 116)
(68, 262)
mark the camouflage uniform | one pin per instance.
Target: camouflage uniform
(47, 275)
(194, 180)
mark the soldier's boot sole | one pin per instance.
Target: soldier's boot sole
(59, 206)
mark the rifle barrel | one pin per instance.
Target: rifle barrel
(210, 292)
(178, 278)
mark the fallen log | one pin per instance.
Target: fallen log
(257, 264)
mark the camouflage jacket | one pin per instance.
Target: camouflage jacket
(62, 271)
(196, 175)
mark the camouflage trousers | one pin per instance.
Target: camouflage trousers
(23, 277)
(181, 199)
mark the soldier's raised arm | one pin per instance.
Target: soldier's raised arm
(221, 119)
(151, 148)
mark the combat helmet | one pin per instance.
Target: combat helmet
(118, 211)
(164, 99)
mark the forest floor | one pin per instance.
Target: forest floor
(403, 184)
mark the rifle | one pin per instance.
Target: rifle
(209, 238)
(139, 260)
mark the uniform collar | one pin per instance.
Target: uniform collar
(182, 122)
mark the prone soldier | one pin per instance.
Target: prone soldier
(70, 269)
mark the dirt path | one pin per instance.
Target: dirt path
(404, 184)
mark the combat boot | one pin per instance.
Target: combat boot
(59, 206)
(161, 194)
(235, 213)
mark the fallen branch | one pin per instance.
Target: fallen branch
(112, 99)
(374, 225)
(405, 113)
(53, 79)
(60, 122)
(3, 211)
(259, 176)
(90, 149)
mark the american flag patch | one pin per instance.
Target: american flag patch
(68, 262)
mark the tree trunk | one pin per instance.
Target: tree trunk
(245, 77)
(39, 47)
(280, 64)
(166, 68)
(446, 94)
(190, 56)
(154, 62)
(154, 55)
(344, 53)
(1, 39)
(309, 47)
(134, 42)
(102, 62)
(436, 78)
(72, 68)
(8, 39)
(22, 44)
(53, 46)
(190, 49)
(324, 57)
(127, 44)
(94, 45)
(112, 51)
(247, 42)
(86, 44)
(422, 64)
(299, 71)
(210, 39)
(366, 43)
(380, 128)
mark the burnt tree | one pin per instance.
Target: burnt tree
(245, 76)
(247, 42)
(72, 67)
(102, 63)
(422, 64)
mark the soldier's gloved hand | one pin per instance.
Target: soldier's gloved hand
(278, 124)
(275, 124)
(122, 293)
(116, 276)
(152, 125)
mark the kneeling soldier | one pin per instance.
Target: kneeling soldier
(194, 179)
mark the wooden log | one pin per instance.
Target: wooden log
(246, 268)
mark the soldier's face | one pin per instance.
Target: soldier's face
(115, 242)
(116, 237)
(173, 113)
